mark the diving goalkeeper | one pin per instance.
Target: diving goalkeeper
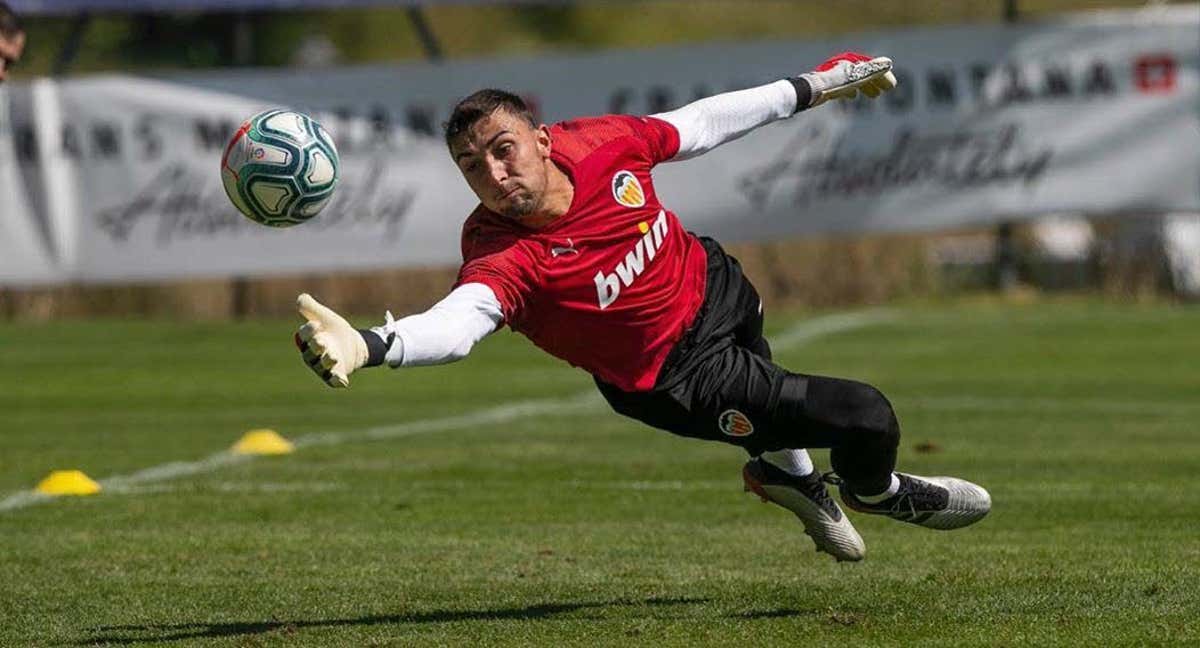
(571, 247)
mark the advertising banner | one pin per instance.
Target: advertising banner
(116, 177)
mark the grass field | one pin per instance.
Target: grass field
(425, 507)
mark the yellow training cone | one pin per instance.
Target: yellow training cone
(68, 482)
(263, 442)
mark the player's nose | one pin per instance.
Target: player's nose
(497, 171)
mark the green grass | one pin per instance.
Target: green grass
(585, 528)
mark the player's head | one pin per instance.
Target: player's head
(12, 40)
(501, 151)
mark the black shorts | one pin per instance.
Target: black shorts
(718, 382)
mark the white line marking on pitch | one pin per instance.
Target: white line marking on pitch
(1032, 405)
(233, 487)
(585, 402)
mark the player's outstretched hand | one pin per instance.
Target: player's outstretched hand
(845, 75)
(331, 347)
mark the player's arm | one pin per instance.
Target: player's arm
(706, 124)
(334, 349)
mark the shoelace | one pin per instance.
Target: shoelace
(910, 491)
(821, 494)
(905, 498)
(914, 492)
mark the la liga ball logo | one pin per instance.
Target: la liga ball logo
(627, 190)
(735, 424)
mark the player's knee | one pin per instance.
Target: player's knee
(859, 407)
(874, 413)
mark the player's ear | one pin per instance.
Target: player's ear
(543, 140)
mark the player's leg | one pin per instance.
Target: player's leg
(799, 490)
(859, 426)
(733, 316)
(749, 335)
(861, 431)
(786, 476)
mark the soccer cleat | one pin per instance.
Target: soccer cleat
(809, 500)
(932, 502)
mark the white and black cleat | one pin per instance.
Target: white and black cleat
(931, 502)
(809, 500)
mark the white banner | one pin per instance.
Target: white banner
(115, 178)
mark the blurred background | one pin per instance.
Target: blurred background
(79, 103)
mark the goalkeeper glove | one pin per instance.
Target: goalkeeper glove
(845, 75)
(331, 347)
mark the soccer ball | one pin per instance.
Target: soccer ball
(280, 168)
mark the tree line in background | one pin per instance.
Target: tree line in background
(143, 42)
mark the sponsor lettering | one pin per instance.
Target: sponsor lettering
(608, 285)
(817, 167)
(985, 84)
(182, 203)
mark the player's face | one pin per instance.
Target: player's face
(10, 52)
(504, 160)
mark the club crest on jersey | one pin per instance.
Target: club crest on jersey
(627, 190)
(735, 424)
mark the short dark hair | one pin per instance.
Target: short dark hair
(9, 24)
(480, 104)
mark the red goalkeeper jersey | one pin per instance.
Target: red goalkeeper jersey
(611, 285)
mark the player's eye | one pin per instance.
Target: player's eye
(504, 150)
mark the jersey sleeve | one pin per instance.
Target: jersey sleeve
(502, 264)
(660, 136)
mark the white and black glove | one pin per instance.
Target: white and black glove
(842, 77)
(331, 347)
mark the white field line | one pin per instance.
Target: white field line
(584, 402)
(233, 487)
(809, 330)
(1012, 405)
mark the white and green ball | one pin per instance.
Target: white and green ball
(280, 168)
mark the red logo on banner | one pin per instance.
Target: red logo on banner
(1155, 73)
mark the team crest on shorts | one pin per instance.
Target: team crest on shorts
(627, 190)
(735, 424)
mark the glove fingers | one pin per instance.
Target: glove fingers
(308, 330)
(312, 309)
(336, 379)
(882, 83)
(870, 90)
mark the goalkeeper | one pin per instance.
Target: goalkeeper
(571, 247)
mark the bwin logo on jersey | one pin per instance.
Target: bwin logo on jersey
(627, 190)
(608, 286)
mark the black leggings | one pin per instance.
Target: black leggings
(720, 384)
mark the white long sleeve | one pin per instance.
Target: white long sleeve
(444, 333)
(706, 124)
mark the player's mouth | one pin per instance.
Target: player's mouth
(509, 193)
